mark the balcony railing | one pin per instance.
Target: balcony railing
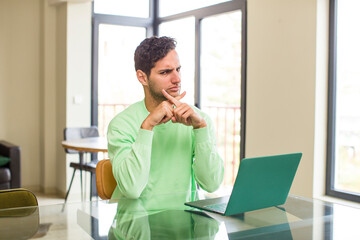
(226, 120)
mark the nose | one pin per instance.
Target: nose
(176, 77)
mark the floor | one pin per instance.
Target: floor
(56, 226)
(74, 196)
(50, 199)
(44, 199)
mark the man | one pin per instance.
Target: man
(161, 145)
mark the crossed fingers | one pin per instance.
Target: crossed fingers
(182, 112)
(174, 100)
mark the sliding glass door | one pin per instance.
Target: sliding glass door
(211, 44)
(220, 77)
(118, 86)
(343, 175)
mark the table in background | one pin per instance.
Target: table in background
(93, 144)
(166, 217)
(87, 145)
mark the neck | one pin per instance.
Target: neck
(150, 102)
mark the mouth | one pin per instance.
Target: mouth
(174, 89)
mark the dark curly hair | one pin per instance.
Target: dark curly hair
(152, 50)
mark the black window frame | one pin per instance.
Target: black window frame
(331, 137)
(152, 28)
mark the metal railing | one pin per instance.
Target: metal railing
(226, 120)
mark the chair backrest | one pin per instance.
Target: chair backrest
(105, 181)
(19, 197)
(79, 132)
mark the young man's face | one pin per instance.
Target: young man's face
(165, 75)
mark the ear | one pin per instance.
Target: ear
(141, 76)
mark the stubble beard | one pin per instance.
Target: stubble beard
(157, 96)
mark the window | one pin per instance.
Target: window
(211, 44)
(116, 68)
(344, 95)
(217, 86)
(220, 77)
(169, 8)
(183, 30)
(115, 38)
(124, 8)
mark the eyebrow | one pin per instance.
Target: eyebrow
(168, 69)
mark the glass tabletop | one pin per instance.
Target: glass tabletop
(166, 217)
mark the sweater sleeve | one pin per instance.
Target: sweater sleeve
(130, 157)
(208, 166)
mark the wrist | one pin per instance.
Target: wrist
(145, 125)
(202, 124)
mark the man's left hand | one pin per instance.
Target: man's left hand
(185, 114)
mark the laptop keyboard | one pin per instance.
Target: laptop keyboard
(219, 207)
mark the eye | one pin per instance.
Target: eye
(165, 72)
(178, 69)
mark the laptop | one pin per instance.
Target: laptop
(261, 182)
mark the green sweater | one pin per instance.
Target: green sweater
(168, 159)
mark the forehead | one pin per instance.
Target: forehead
(171, 60)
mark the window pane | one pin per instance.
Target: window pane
(117, 82)
(124, 8)
(220, 84)
(347, 152)
(183, 31)
(170, 7)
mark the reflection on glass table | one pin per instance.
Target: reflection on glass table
(11, 219)
(166, 217)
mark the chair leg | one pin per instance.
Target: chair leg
(81, 161)
(81, 185)
(91, 185)
(93, 191)
(68, 191)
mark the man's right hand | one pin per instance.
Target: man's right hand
(162, 114)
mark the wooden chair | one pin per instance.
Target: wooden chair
(105, 181)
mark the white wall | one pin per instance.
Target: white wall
(78, 64)
(45, 60)
(20, 82)
(48, 183)
(78, 76)
(321, 94)
(281, 83)
(73, 79)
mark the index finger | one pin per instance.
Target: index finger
(174, 100)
